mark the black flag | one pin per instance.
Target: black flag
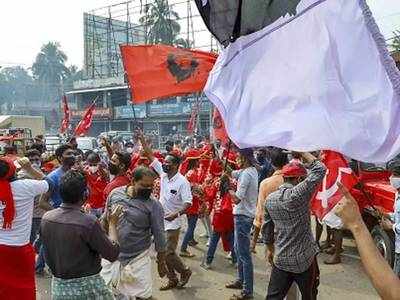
(229, 19)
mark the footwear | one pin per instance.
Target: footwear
(193, 243)
(184, 278)
(206, 266)
(208, 243)
(171, 284)
(234, 285)
(333, 261)
(229, 255)
(241, 296)
(186, 254)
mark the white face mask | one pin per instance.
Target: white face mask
(395, 182)
(36, 166)
(129, 150)
(93, 169)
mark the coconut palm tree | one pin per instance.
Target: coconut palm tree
(396, 41)
(161, 23)
(49, 70)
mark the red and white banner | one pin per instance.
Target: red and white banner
(86, 122)
(328, 194)
(67, 115)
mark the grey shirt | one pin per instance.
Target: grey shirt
(142, 220)
(247, 191)
(287, 219)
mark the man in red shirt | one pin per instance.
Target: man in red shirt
(97, 180)
(118, 166)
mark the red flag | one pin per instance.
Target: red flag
(159, 71)
(328, 194)
(219, 127)
(67, 115)
(86, 122)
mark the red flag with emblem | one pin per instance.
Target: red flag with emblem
(67, 115)
(328, 194)
(160, 71)
(219, 131)
(86, 122)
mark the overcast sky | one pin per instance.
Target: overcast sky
(27, 24)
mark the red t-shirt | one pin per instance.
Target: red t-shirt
(96, 185)
(193, 177)
(117, 182)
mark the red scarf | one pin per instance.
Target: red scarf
(6, 196)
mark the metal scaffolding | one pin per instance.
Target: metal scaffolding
(125, 23)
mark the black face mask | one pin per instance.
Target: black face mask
(144, 193)
(114, 170)
(69, 161)
(166, 168)
(169, 148)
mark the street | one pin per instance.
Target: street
(344, 281)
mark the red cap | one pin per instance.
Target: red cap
(294, 169)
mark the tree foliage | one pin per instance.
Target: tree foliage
(396, 41)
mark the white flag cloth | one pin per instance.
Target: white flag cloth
(321, 79)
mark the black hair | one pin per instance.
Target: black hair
(141, 172)
(176, 159)
(93, 156)
(87, 154)
(32, 152)
(124, 158)
(61, 149)
(278, 158)
(4, 168)
(38, 147)
(73, 187)
(10, 149)
(169, 143)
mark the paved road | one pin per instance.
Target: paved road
(345, 281)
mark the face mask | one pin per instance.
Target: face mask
(69, 161)
(166, 168)
(129, 150)
(169, 148)
(114, 170)
(93, 169)
(144, 193)
(395, 182)
(36, 166)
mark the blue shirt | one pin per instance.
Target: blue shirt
(396, 219)
(55, 178)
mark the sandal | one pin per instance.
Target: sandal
(186, 254)
(241, 296)
(234, 285)
(171, 284)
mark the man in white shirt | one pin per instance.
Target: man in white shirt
(16, 209)
(175, 197)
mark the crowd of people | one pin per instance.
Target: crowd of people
(95, 219)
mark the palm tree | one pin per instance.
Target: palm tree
(396, 41)
(49, 70)
(161, 23)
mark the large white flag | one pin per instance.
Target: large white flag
(321, 78)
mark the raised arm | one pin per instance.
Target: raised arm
(386, 283)
(147, 151)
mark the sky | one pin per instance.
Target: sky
(27, 24)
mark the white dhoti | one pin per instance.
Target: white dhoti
(132, 280)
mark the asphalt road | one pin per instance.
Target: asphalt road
(345, 281)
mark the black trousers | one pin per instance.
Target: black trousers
(281, 281)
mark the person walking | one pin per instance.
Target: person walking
(287, 212)
(245, 200)
(175, 198)
(142, 221)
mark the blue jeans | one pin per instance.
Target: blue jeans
(243, 226)
(215, 236)
(396, 266)
(189, 235)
